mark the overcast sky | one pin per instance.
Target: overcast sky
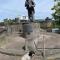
(15, 8)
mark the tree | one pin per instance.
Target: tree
(1, 23)
(6, 21)
(11, 21)
(56, 14)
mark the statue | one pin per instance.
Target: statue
(27, 27)
(30, 4)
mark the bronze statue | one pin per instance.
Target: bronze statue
(30, 4)
(27, 26)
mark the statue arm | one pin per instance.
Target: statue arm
(33, 5)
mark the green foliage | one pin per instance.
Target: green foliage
(11, 21)
(58, 3)
(56, 14)
(1, 23)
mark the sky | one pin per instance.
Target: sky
(16, 8)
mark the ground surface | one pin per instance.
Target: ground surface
(14, 41)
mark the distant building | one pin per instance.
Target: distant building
(23, 18)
